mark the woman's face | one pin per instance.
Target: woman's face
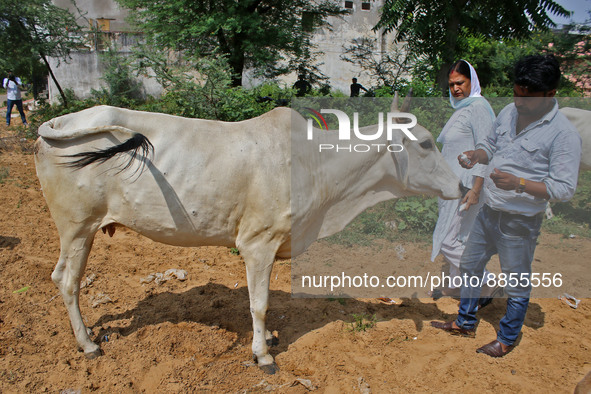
(459, 85)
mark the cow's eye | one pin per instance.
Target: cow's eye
(427, 144)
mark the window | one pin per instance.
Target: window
(349, 5)
(366, 6)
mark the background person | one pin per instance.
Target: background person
(469, 125)
(13, 84)
(534, 156)
(356, 88)
(302, 86)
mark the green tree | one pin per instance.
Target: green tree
(494, 59)
(438, 29)
(387, 69)
(572, 48)
(122, 88)
(263, 34)
(34, 30)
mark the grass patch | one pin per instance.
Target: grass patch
(410, 219)
(362, 322)
(235, 251)
(574, 216)
(4, 172)
(341, 301)
(413, 219)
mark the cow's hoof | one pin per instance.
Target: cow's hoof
(270, 369)
(94, 354)
(273, 341)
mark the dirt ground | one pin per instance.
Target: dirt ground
(195, 335)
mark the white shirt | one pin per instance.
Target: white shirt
(13, 90)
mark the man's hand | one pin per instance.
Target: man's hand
(474, 156)
(504, 180)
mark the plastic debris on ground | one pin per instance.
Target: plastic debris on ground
(569, 300)
(388, 301)
(400, 252)
(100, 299)
(87, 281)
(159, 277)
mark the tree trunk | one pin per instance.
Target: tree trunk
(237, 60)
(237, 67)
(235, 56)
(452, 28)
(54, 79)
(442, 80)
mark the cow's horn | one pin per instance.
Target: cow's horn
(406, 102)
(394, 105)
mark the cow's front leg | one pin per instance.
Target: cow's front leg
(259, 263)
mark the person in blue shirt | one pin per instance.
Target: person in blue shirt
(533, 157)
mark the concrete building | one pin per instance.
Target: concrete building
(358, 23)
(83, 72)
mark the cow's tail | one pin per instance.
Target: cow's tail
(48, 131)
(138, 144)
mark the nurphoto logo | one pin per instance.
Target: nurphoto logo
(392, 124)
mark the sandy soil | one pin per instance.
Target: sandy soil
(194, 335)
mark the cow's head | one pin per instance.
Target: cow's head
(420, 166)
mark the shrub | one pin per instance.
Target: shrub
(417, 214)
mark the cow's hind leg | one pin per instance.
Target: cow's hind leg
(259, 258)
(66, 276)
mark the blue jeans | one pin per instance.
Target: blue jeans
(513, 237)
(19, 106)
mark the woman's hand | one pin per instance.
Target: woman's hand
(471, 198)
(473, 195)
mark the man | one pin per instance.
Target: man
(356, 87)
(12, 85)
(302, 86)
(533, 157)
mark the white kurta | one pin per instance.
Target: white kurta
(466, 127)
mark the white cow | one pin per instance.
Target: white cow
(581, 119)
(214, 183)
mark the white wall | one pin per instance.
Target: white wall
(359, 23)
(83, 73)
(96, 9)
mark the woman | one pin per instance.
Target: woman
(470, 123)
